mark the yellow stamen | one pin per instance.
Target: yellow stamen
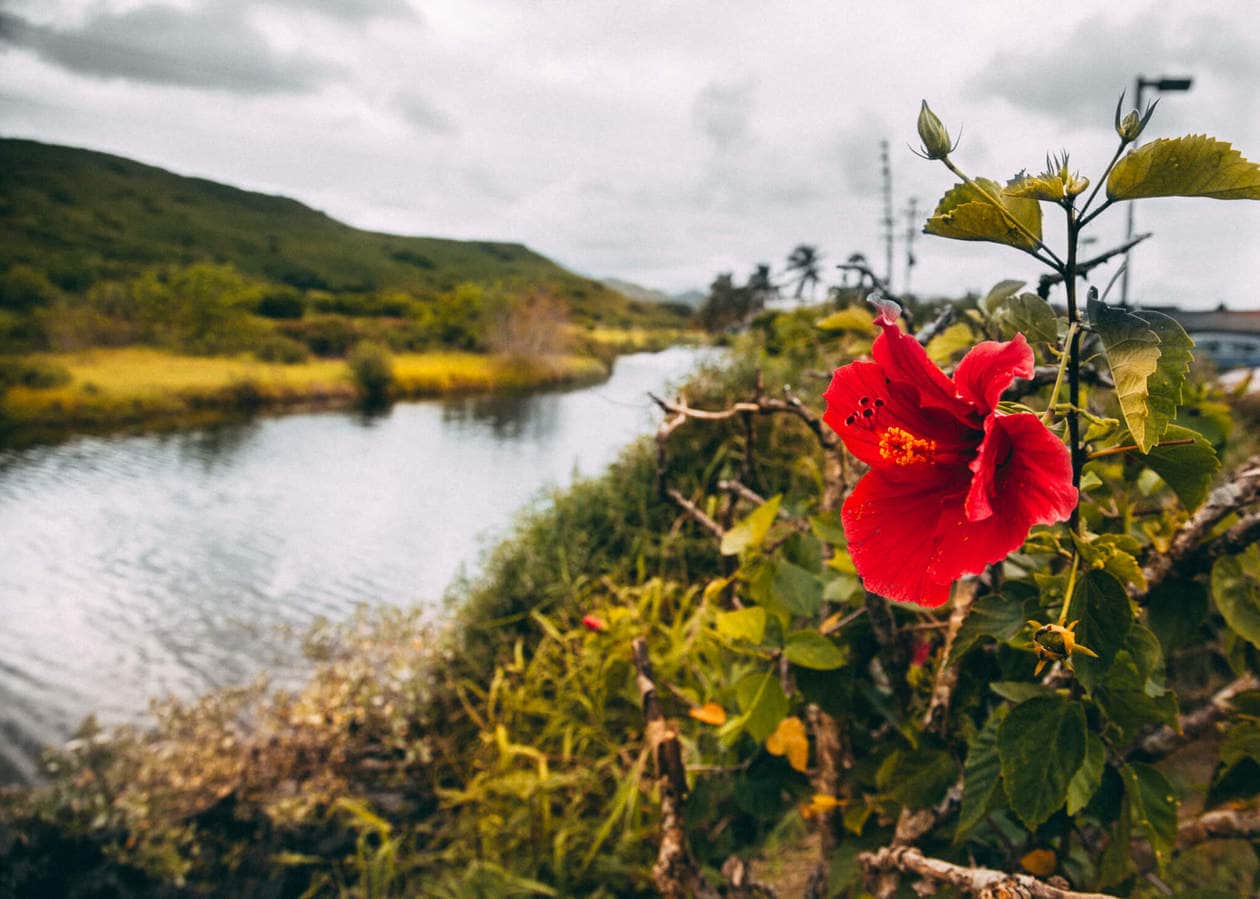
(902, 448)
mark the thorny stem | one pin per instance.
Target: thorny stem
(1053, 262)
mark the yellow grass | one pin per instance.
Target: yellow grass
(121, 386)
(629, 340)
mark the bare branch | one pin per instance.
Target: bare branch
(1242, 487)
(697, 513)
(676, 873)
(1220, 824)
(946, 674)
(1083, 268)
(983, 882)
(1161, 742)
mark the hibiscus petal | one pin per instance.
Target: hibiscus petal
(904, 361)
(989, 368)
(1023, 477)
(863, 404)
(897, 529)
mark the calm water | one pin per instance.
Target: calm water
(133, 567)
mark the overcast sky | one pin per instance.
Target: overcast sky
(659, 142)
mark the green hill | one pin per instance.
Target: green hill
(80, 216)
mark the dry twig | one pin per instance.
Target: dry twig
(676, 873)
(1242, 487)
(1161, 742)
(983, 882)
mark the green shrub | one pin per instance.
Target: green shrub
(327, 336)
(278, 348)
(372, 368)
(32, 373)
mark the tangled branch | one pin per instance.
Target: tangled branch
(1161, 742)
(1241, 488)
(985, 883)
(676, 873)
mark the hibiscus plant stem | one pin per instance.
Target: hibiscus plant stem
(1074, 358)
(1071, 588)
(1048, 415)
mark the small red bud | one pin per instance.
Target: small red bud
(592, 623)
(920, 652)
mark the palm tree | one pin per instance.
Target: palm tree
(760, 288)
(805, 261)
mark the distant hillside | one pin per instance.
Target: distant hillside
(80, 216)
(689, 299)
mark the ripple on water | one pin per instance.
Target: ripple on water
(137, 567)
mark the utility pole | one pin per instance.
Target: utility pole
(912, 232)
(1163, 85)
(887, 221)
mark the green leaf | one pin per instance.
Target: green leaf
(1153, 807)
(1030, 315)
(1176, 610)
(964, 213)
(1165, 383)
(1102, 607)
(1132, 349)
(1188, 469)
(994, 615)
(981, 776)
(851, 318)
(1085, 782)
(1117, 861)
(743, 624)
(1236, 592)
(1192, 166)
(827, 528)
(752, 530)
(1041, 744)
(763, 703)
(810, 649)
(1113, 553)
(942, 348)
(1130, 699)
(1242, 741)
(917, 778)
(999, 292)
(797, 590)
(1019, 690)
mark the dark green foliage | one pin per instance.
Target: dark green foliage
(278, 348)
(372, 369)
(31, 373)
(76, 217)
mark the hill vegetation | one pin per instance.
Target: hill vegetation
(103, 254)
(79, 217)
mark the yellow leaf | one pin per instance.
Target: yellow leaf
(1192, 166)
(709, 713)
(789, 739)
(1040, 862)
(851, 318)
(819, 804)
(965, 213)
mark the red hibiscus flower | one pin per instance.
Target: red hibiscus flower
(953, 485)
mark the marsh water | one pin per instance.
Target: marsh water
(141, 566)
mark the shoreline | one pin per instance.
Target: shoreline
(143, 390)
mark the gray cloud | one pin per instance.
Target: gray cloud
(213, 48)
(1101, 56)
(723, 113)
(353, 10)
(423, 115)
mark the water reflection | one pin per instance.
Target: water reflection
(142, 566)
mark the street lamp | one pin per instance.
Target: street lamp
(1163, 85)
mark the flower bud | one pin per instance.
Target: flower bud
(593, 623)
(1131, 126)
(936, 144)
